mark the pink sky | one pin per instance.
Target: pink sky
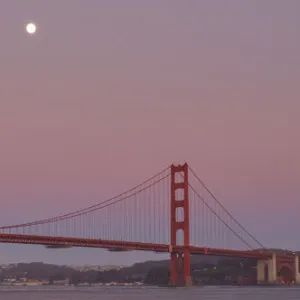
(106, 94)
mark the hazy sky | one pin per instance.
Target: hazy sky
(110, 92)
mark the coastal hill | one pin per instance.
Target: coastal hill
(208, 269)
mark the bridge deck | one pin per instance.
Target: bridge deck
(129, 246)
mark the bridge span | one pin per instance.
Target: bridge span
(171, 212)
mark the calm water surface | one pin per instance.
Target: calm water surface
(145, 293)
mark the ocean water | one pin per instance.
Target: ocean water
(147, 293)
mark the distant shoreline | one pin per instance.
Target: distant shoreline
(24, 284)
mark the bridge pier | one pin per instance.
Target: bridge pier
(267, 271)
(297, 273)
(261, 272)
(180, 269)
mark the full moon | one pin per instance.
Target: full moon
(31, 28)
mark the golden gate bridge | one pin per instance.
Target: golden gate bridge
(171, 212)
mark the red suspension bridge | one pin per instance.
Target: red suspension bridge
(172, 212)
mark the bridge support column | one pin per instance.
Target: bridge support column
(261, 272)
(272, 270)
(267, 271)
(180, 269)
(297, 273)
(180, 260)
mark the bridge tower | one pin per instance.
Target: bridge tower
(180, 260)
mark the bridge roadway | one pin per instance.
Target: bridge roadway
(65, 242)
